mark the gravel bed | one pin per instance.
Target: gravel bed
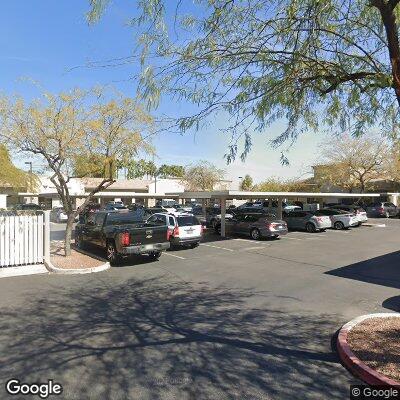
(376, 342)
(76, 260)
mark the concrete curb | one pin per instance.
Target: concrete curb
(354, 364)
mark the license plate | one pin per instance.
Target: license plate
(148, 247)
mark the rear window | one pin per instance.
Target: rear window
(187, 220)
(123, 218)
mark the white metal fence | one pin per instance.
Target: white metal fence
(22, 239)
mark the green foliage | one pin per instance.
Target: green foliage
(315, 64)
(166, 171)
(140, 168)
(10, 175)
(247, 183)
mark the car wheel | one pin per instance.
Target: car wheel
(79, 243)
(310, 227)
(155, 255)
(111, 253)
(193, 245)
(255, 234)
(338, 225)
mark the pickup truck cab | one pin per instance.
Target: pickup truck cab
(122, 234)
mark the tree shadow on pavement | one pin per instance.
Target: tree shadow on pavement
(153, 339)
(382, 270)
(392, 303)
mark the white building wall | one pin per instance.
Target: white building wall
(3, 201)
(166, 185)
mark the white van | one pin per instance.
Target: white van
(183, 229)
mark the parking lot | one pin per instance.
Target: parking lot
(232, 319)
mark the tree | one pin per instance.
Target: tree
(63, 127)
(140, 168)
(275, 184)
(166, 171)
(392, 163)
(202, 176)
(90, 166)
(247, 183)
(272, 184)
(314, 63)
(11, 175)
(353, 162)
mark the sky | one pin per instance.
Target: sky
(46, 44)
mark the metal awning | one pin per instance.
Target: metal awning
(133, 195)
(237, 194)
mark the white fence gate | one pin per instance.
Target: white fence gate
(22, 239)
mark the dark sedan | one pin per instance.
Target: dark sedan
(256, 225)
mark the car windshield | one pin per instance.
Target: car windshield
(124, 218)
(188, 220)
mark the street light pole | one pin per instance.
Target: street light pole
(30, 177)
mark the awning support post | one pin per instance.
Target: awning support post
(279, 211)
(223, 213)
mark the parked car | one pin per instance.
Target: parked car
(115, 206)
(256, 225)
(27, 206)
(58, 214)
(359, 212)
(180, 207)
(272, 205)
(382, 209)
(155, 210)
(122, 234)
(340, 219)
(213, 216)
(311, 221)
(90, 208)
(184, 229)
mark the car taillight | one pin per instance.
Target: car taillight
(169, 233)
(202, 229)
(176, 231)
(381, 209)
(125, 239)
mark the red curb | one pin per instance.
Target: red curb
(354, 364)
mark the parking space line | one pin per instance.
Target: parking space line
(306, 234)
(255, 248)
(248, 240)
(173, 255)
(216, 247)
(290, 238)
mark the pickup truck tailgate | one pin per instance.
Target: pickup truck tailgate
(146, 233)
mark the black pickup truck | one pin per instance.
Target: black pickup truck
(121, 234)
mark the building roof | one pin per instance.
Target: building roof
(121, 184)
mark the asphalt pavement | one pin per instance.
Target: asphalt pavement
(231, 319)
